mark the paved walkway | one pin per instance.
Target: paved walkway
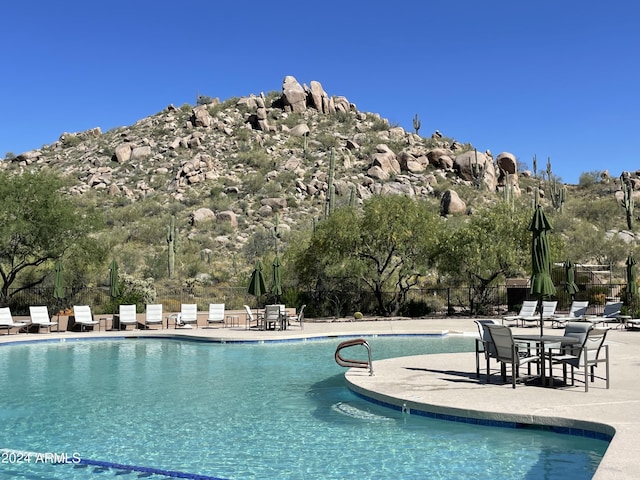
(426, 382)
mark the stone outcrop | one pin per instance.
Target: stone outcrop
(451, 203)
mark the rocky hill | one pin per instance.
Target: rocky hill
(227, 170)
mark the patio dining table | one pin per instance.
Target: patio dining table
(541, 341)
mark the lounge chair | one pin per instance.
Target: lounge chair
(577, 310)
(587, 356)
(527, 313)
(6, 321)
(610, 314)
(128, 316)
(508, 353)
(188, 315)
(216, 313)
(153, 315)
(251, 321)
(84, 317)
(484, 345)
(40, 318)
(548, 311)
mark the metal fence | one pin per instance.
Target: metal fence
(430, 302)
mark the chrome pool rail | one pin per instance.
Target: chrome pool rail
(350, 363)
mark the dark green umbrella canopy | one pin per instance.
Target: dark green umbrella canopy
(570, 286)
(256, 286)
(58, 280)
(114, 290)
(276, 286)
(541, 282)
(632, 278)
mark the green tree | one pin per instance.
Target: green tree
(39, 224)
(488, 247)
(387, 247)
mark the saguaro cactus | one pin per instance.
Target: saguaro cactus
(627, 200)
(558, 191)
(416, 124)
(172, 245)
(477, 171)
(331, 197)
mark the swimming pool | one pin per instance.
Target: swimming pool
(248, 411)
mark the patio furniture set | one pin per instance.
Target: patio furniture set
(581, 348)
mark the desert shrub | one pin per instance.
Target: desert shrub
(415, 308)
(597, 295)
(358, 315)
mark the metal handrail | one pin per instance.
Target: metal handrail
(350, 363)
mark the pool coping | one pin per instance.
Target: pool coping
(613, 412)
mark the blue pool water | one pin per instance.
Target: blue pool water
(248, 411)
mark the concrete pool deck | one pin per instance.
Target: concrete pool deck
(446, 383)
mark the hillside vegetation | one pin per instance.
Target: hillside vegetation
(246, 176)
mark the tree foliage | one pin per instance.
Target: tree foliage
(39, 224)
(488, 247)
(385, 248)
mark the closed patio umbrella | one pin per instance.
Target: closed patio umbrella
(632, 279)
(541, 282)
(570, 271)
(256, 285)
(276, 286)
(114, 290)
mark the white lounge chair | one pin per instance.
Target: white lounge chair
(610, 314)
(216, 313)
(188, 315)
(40, 318)
(84, 317)
(153, 315)
(577, 310)
(6, 321)
(527, 313)
(128, 316)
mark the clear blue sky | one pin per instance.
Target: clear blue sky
(556, 79)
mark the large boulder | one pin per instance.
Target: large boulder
(386, 160)
(467, 163)
(293, 95)
(451, 204)
(202, 215)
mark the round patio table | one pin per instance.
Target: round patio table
(540, 341)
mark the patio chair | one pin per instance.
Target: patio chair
(508, 353)
(484, 345)
(577, 310)
(188, 315)
(6, 321)
(127, 316)
(299, 318)
(527, 312)
(586, 357)
(610, 314)
(84, 317)
(272, 317)
(251, 321)
(153, 315)
(216, 313)
(40, 318)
